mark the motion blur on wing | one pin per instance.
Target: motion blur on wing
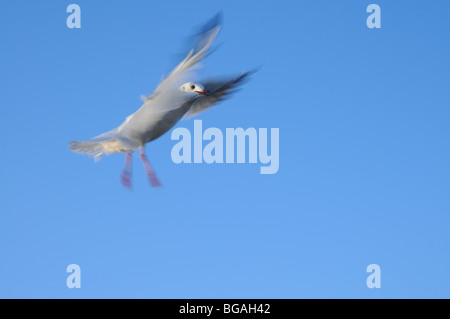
(175, 97)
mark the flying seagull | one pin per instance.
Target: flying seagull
(174, 98)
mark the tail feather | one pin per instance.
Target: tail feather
(87, 147)
(106, 143)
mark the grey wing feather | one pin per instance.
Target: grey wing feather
(218, 91)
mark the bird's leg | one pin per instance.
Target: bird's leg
(126, 174)
(153, 179)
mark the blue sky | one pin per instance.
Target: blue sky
(364, 158)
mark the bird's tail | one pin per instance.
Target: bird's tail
(106, 143)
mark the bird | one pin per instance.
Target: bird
(176, 97)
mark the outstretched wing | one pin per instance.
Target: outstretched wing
(198, 51)
(218, 90)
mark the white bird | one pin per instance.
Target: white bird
(164, 108)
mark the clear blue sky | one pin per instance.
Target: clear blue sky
(364, 156)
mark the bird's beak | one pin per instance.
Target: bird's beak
(204, 92)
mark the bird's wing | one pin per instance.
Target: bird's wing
(198, 51)
(218, 90)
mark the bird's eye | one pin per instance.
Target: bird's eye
(192, 87)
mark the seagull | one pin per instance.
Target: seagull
(175, 98)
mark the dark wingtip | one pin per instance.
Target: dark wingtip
(246, 75)
(219, 17)
(215, 21)
(253, 71)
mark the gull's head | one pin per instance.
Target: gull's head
(192, 87)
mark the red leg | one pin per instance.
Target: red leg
(153, 179)
(126, 174)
